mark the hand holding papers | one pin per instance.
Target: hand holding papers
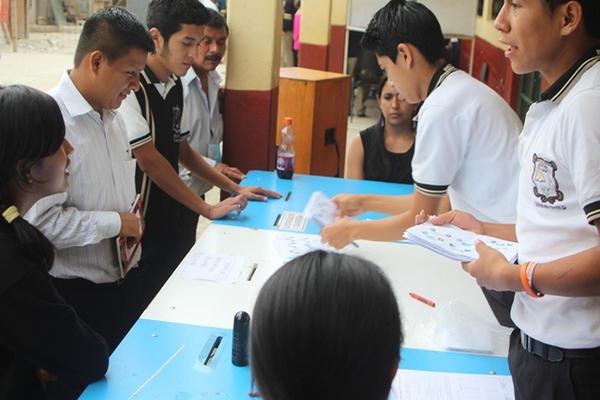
(457, 244)
(321, 209)
(292, 245)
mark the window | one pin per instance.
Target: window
(480, 8)
(496, 7)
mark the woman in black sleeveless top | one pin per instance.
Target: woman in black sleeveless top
(384, 151)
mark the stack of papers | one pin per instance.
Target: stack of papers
(457, 244)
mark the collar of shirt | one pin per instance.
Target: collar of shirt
(162, 87)
(439, 76)
(191, 81)
(75, 104)
(192, 77)
(559, 88)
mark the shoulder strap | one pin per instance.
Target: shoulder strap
(142, 98)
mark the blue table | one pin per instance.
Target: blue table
(165, 360)
(173, 356)
(262, 215)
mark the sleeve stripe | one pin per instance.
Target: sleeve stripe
(140, 141)
(431, 190)
(592, 211)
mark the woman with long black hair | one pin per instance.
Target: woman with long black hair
(46, 351)
(384, 151)
(326, 326)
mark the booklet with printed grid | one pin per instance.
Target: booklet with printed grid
(455, 243)
(128, 248)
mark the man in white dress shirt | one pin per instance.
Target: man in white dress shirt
(84, 222)
(201, 88)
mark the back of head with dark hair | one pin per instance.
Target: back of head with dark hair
(325, 326)
(168, 15)
(591, 14)
(216, 20)
(31, 128)
(114, 31)
(405, 21)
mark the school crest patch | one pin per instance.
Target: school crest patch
(545, 185)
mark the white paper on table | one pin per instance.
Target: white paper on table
(292, 221)
(292, 245)
(218, 268)
(320, 208)
(416, 385)
(455, 243)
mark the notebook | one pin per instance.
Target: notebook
(457, 244)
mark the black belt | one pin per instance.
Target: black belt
(553, 353)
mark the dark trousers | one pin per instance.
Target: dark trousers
(189, 225)
(537, 379)
(500, 303)
(108, 308)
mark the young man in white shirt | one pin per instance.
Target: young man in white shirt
(464, 131)
(555, 351)
(84, 222)
(157, 126)
(466, 140)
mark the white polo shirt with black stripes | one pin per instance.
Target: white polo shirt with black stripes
(559, 199)
(467, 145)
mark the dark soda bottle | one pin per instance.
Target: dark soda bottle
(285, 151)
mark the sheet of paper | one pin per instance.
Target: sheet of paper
(292, 245)
(321, 209)
(455, 243)
(216, 268)
(292, 221)
(417, 385)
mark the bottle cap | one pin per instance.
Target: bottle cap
(288, 120)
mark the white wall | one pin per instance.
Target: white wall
(457, 17)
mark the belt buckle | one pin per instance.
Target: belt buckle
(554, 354)
(526, 342)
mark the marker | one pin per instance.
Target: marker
(287, 196)
(213, 350)
(252, 271)
(277, 220)
(422, 299)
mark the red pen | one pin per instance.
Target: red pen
(422, 299)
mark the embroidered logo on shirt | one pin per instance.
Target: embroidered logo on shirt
(544, 180)
(176, 124)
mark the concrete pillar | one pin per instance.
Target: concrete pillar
(315, 33)
(251, 86)
(337, 43)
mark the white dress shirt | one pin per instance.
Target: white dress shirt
(83, 223)
(205, 123)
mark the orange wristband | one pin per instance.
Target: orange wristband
(525, 282)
